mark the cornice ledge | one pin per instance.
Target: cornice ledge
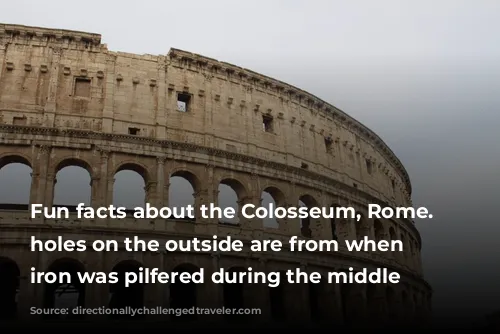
(198, 148)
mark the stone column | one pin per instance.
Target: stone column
(102, 185)
(211, 294)
(109, 191)
(257, 295)
(245, 222)
(150, 190)
(2, 54)
(50, 105)
(42, 165)
(107, 115)
(160, 179)
(30, 294)
(94, 186)
(154, 293)
(35, 179)
(49, 189)
(96, 295)
(208, 194)
(161, 100)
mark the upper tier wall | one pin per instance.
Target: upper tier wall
(65, 79)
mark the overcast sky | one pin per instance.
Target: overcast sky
(425, 75)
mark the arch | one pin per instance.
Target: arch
(73, 162)
(9, 288)
(231, 195)
(17, 158)
(122, 296)
(182, 189)
(277, 195)
(189, 176)
(134, 166)
(72, 183)
(234, 293)
(271, 195)
(15, 181)
(130, 187)
(236, 185)
(65, 294)
(184, 295)
(305, 223)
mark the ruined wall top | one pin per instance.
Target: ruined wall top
(40, 34)
(91, 42)
(293, 93)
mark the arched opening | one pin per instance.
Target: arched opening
(129, 188)
(305, 223)
(393, 237)
(184, 295)
(277, 299)
(9, 288)
(378, 230)
(182, 189)
(234, 294)
(73, 183)
(271, 196)
(15, 182)
(231, 193)
(404, 253)
(123, 296)
(65, 294)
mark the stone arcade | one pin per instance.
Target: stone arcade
(66, 100)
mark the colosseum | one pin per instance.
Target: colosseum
(185, 120)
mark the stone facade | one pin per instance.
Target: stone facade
(65, 99)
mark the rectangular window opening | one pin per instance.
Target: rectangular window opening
(133, 131)
(329, 144)
(369, 166)
(82, 87)
(19, 120)
(183, 100)
(267, 123)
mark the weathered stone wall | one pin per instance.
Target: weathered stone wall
(65, 99)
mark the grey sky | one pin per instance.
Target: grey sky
(425, 75)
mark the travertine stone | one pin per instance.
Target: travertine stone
(65, 99)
